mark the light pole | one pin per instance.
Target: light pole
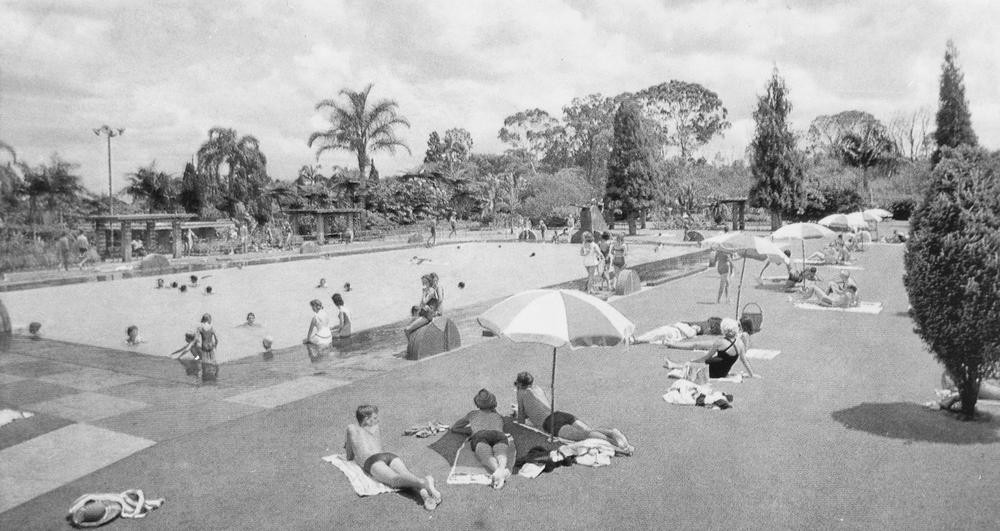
(110, 133)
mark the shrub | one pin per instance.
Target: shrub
(953, 268)
(552, 196)
(902, 209)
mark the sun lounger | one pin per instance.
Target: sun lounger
(863, 307)
(363, 484)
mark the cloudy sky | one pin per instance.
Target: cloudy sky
(168, 71)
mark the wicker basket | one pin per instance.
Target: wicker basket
(755, 314)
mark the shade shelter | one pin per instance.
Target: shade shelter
(353, 218)
(105, 225)
(739, 210)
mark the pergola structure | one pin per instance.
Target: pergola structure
(105, 224)
(739, 210)
(353, 216)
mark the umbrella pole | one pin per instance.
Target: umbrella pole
(552, 392)
(803, 256)
(740, 288)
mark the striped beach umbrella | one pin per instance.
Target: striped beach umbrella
(557, 318)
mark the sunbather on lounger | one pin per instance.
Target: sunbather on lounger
(722, 352)
(487, 439)
(534, 406)
(363, 445)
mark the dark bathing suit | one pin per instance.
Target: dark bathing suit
(385, 457)
(489, 437)
(719, 365)
(554, 422)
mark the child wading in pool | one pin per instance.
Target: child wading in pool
(191, 367)
(207, 341)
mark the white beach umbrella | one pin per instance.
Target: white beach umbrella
(746, 245)
(876, 215)
(844, 221)
(557, 317)
(880, 213)
(802, 232)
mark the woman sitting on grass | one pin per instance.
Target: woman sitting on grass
(485, 426)
(534, 406)
(722, 352)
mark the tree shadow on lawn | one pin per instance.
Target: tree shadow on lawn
(913, 422)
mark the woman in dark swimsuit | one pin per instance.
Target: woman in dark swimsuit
(722, 354)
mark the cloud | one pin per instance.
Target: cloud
(167, 72)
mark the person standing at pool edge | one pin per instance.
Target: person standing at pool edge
(724, 266)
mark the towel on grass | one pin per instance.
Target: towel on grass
(466, 469)
(762, 354)
(863, 307)
(363, 484)
(10, 415)
(671, 332)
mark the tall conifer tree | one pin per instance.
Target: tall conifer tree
(632, 171)
(954, 123)
(774, 162)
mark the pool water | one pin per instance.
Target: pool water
(384, 285)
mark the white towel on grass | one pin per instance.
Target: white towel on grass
(863, 307)
(762, 354)
(363, 484)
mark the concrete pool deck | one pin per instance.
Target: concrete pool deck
(833, 436)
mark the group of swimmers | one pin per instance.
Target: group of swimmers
(484, 426)
(161, 284)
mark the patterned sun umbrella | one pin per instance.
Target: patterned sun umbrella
(557, 318)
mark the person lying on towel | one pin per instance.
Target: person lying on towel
(487, 439)
(680, 331)
(848, 298)
(363, 445)
(722, 352)
(534, 406)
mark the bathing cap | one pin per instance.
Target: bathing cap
(485, 400)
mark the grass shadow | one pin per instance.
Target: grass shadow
(913, 422)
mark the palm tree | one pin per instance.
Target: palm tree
(11, 184)
(157, 188)
(245, 165)
(54, 185)
(360, 128)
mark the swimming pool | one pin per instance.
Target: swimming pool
(383, 287)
